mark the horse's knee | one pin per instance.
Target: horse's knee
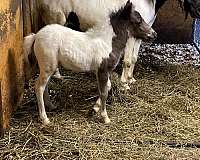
(126, 64)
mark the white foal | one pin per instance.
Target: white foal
(99, 50)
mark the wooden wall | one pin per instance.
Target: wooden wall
(11, 58)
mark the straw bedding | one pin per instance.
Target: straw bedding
(159, 118)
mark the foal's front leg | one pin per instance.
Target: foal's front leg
(102, 78)
(98, 102)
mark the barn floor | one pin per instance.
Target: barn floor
(158, 119)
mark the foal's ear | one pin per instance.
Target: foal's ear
(127, 10)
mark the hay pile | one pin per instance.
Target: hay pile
(159, 118)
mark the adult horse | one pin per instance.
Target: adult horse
(93, 12)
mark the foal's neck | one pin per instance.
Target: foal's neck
(121, 32)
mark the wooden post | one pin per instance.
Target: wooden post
(11, 61)
(1, 115)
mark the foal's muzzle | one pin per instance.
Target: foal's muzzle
(151, 36)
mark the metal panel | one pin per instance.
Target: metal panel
(11, 61)
(171, 25)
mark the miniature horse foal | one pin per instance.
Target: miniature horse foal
(99, 50)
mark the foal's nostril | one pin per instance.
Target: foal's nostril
(154, 34)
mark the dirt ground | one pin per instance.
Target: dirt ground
(158, 119)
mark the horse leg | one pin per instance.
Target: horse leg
(134, 60)
(127, 61)
(39, 89)
(98, 102)
(102, 78)
(47, 100)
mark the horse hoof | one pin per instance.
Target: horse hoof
(46, 122)
(58, 77)
(96, 107)
(125, 87)
(107, 120)
(132, 81)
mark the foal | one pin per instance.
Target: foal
(99, 50)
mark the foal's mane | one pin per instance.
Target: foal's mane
(122, 11)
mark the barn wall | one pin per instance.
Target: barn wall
(11, 61)
(171, 24)
(31, 19)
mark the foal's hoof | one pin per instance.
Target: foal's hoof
(46, 122)
(107, 120)
(132, 81)
(58, 76)
(125, 87)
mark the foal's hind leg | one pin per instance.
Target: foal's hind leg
(47, 100)
(102, 78)
(39, 89)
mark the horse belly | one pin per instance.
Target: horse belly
(90, 12)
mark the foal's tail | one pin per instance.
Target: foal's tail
(29, 56)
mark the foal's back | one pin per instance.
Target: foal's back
(77, 51)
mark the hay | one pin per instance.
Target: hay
(161, 110)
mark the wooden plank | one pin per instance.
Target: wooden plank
(1, 115)
(171, 24)
(27, 19)
(31, 19)
(11, 61)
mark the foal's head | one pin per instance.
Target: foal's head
(127, 19)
